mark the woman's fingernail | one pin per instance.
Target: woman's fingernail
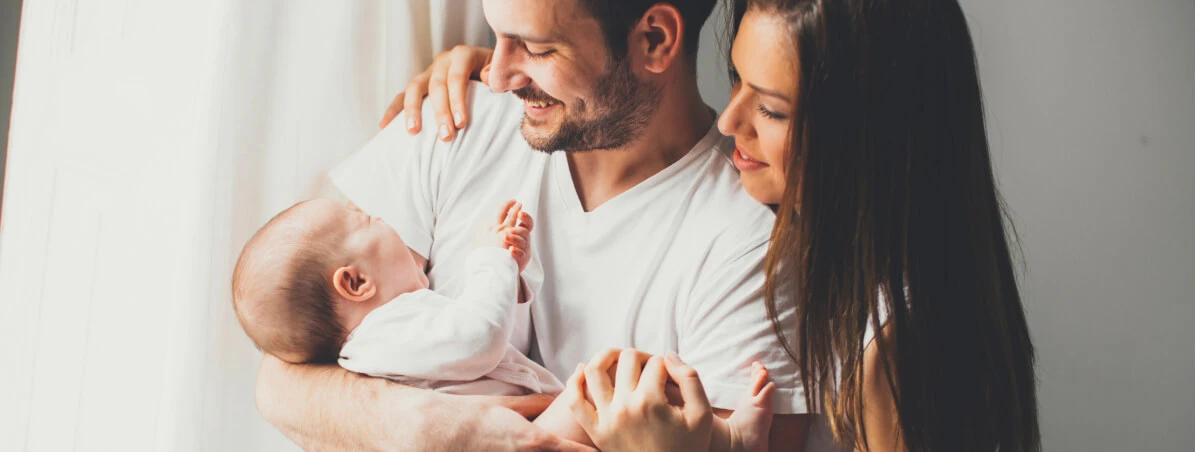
(445, 132)
(412, 123)
(674, 357)
(458, 119)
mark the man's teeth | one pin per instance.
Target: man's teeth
(541, 104)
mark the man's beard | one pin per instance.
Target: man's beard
(621, 108)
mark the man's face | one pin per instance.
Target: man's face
(552, 54)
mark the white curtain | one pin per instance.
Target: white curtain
(149, 139)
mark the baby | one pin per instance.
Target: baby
(324, 282)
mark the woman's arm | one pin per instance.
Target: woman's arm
(789, 432)
(329, 408)
(879, 411)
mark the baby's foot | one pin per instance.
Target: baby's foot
(750, 423)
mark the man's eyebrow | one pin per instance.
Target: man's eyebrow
(769, 92)
(535, 40)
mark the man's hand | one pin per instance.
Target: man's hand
(530, 406)
(445, 82)
(497, 427)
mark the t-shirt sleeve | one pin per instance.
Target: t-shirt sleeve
(395, 177)
(727, 328)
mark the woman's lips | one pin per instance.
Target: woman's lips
(744, 162)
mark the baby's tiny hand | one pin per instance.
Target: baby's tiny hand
(511, 232)
(516, 239)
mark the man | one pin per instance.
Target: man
(644, 237)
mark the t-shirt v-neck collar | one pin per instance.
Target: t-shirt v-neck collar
(570, 197)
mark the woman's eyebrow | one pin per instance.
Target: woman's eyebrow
(769, 92)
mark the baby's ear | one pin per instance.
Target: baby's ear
(353, 285)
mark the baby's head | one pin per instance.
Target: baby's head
(310, 275)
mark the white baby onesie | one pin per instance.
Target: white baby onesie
(453, 345)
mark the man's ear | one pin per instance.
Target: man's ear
(353, 285)
(658, 37)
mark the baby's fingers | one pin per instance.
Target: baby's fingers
(521, 231)
(505, 211)
(510, 220)
(517, 254)
(515, 240)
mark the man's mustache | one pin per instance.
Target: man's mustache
(529, 94)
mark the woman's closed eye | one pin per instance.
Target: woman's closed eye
(770, 114)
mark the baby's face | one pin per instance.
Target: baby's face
(374, 247)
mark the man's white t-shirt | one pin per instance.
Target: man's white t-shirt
(674, 263)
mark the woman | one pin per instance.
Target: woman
(889, 220)
(862, 122)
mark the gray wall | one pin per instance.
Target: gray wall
(10, 14)
(1090, 115)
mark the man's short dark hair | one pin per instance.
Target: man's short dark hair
(617, 17)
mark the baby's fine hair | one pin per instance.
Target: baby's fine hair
(283, 294)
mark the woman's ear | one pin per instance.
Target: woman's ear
(659, 37)
(353, 285)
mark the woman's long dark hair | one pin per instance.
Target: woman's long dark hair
(891, 207)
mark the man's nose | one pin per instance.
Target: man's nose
(505, 75)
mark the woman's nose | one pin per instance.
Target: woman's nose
(732, 121)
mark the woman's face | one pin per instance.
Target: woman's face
(766, 77)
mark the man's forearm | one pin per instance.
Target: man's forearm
(327, 407)
(330, 408)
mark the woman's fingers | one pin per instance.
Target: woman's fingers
(599, 385)
(414, 95)
(695, 401)
(392, 111)
(653, 383)
(487, 70)
(440, 103)
(464, 61)
(629, 371)
(583, 410)
(445, 86)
